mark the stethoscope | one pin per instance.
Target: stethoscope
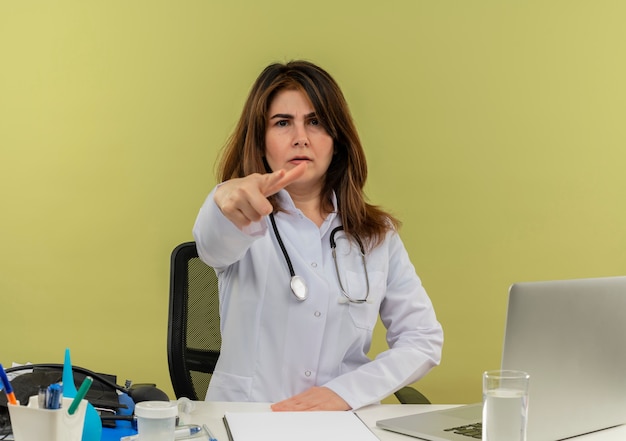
(297, 283)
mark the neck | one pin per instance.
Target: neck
(311, 206)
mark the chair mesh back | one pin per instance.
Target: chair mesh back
(203, 319)
(194, 326)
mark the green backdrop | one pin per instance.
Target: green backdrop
(494, 129)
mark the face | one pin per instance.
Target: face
(294, 135)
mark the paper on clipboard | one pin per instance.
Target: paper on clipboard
(300, 426)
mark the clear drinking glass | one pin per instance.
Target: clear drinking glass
(505, 405)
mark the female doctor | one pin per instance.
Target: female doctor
(305, 264)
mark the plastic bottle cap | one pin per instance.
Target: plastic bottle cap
(156, 409)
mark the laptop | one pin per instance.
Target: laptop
(570, 336)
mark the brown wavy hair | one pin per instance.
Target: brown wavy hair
(244, 152)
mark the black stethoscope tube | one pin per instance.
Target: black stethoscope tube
(298, 285)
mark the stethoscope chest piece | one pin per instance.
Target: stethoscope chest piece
(298, 287)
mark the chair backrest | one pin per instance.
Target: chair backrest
(193, 337)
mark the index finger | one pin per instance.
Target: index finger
(282, 178)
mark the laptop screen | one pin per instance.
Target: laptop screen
(570, 336)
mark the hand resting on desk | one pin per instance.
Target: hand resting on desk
(315, 398)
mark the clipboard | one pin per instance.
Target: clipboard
(301, 426)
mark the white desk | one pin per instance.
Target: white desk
(211, 413)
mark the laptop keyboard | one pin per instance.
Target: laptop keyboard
(474, 430)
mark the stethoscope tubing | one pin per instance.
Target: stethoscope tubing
(298, 284)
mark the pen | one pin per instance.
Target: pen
(7, 386)
(208, 432)
(53, 396)
(41, 397)
(186, 431)
(183, 432)
(82, 391)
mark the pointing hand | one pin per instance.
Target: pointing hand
(244, 200)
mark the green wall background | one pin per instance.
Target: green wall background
(494, 129)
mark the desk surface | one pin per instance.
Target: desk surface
(211, 413)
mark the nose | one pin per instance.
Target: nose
(301, 142)
(300, 137)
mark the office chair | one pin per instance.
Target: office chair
(193, 338)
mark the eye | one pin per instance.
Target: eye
(282, 123)
(317, 124)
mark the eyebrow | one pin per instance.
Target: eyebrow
(288, 116)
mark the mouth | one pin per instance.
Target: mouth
(299, 159)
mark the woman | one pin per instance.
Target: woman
(297, 322)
